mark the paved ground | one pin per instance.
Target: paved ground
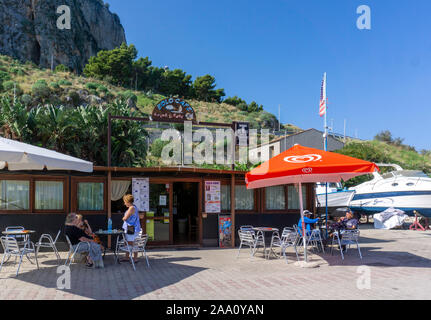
(398, 263)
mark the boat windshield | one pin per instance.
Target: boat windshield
(405, 173)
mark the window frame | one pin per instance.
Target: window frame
(65, 193)
(308, 205)
(240, 183)
(30, 191)
(74, 204)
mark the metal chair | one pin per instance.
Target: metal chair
(11, 248)
(289, 238)
(46, 241)
(73, 251)
(138, 246)
(250, 239)
(314, 238)
(21, 239)
(346, 238)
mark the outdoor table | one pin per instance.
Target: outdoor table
(26, 233)
(118, 233)
(263, 230)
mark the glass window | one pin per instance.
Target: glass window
(293, 197)
(159, 200)
(244, 198)
(49, 195)
(14, 195)
(90, 196)
(275, 198)
(225, 197)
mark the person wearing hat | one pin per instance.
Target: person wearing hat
(349, 222)
(308, 222)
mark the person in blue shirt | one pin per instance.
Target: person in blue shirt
(308, 222)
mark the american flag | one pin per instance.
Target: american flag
(322, 109)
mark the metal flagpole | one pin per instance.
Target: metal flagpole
(326, 149)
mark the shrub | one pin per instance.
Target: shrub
(91, 86)
(54, 85)
(4, 76)
(157, 147)
(74, 97)
(102, 89)
(26, 99)
(61, 68)
(40, 89)
(64, 82)
(126, 95)
(9, 86)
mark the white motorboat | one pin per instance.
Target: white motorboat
(406, 190)
(337, 196)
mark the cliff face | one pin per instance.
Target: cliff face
(28, 31)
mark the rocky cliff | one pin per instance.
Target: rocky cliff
(29, 32)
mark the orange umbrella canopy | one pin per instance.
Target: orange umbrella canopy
(307, 165)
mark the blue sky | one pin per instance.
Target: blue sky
(275, 52)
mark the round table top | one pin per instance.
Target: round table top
(265, 229)
(108, 233)
(17, 232)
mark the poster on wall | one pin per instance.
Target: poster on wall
(141, 193)
(225, 231)
(212, 197)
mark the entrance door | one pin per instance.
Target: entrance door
(158, 220)
(185, 213)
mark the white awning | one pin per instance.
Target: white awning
(21, 156)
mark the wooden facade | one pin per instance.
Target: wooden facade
(172, 180)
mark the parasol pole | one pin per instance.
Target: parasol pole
(301, 207)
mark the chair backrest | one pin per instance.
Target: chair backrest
(246, 235)
(246, 228)
(10, 244)
(18, 228)
(141, 241)
(14, 228)
(291, 237)
(287, 230)
(350, 235)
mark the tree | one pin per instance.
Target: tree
(175, 82)
(115, 65)
(254, 107)
(203, 88)
(234, 101)
(385, 136)
(142, 73)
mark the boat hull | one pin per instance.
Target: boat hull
(407, 201)
(336, 200)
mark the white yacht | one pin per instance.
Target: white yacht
(406, 190)
(337, 196)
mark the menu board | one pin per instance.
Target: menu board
(225, 231)
(212, 197)
(141, 193)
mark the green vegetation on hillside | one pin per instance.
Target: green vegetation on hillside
(33, 86)
(384, 152)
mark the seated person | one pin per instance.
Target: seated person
(84, 225)
(349, 222)
(308, 222)
(77, 235)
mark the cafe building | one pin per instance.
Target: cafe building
(179, 206)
